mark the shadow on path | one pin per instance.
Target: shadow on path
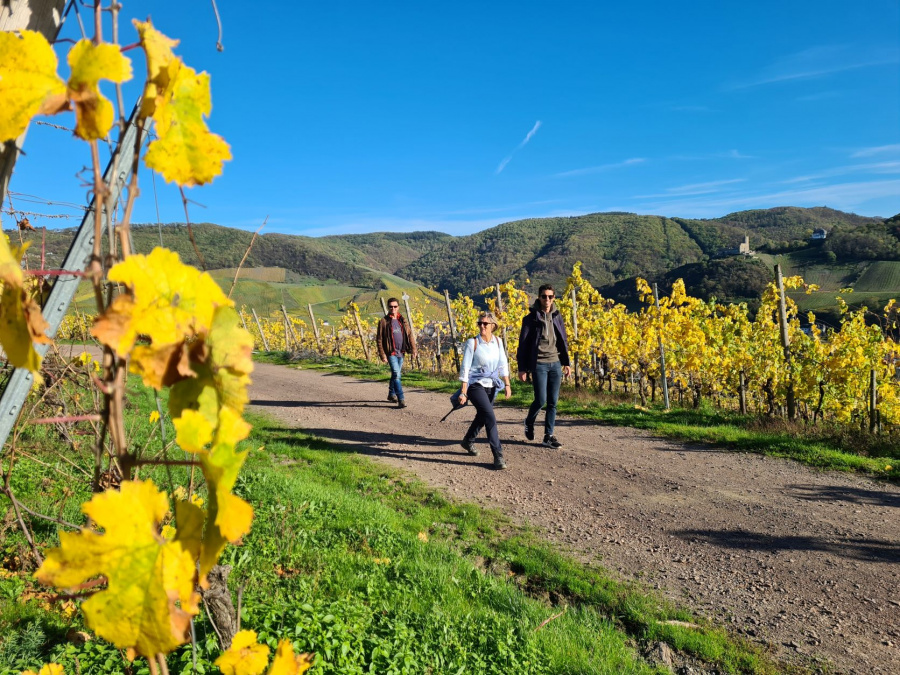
(870, 550)
(841, 493)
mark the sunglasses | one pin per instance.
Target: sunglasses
(393, 306)
(548, 297)
(485, 323)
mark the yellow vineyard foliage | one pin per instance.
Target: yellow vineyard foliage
(21, 321)
(29, 84)
(150, 598)
(245, 656)
(90, 63)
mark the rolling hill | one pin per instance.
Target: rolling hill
(614, 248)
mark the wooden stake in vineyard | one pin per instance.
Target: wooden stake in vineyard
(312, 317)
(575, 334)
(290, 324)
(500, 309)
(262, 335)
(412, 329)
(662, 350)
(785, 343)
(359, 332)
(452, 323)
(384, 306)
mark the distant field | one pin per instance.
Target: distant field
(272, 274)
(880, 277)
(826, 277)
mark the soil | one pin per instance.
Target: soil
(804, 562)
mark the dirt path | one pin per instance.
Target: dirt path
(804, 561)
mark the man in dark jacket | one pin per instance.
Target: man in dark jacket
(395, 339)
(543, 352)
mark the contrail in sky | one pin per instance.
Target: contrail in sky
(534, 129)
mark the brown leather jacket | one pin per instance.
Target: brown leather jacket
(386, 341)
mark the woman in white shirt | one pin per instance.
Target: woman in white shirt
(485, 369)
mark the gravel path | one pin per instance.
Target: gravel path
(805, 562)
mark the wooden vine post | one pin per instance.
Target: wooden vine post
(312, 317)
(785, 343)
(337, 340)
(873, 402)
(575, 334)
(500, 309)
(452, 323)
(359, 331)
(412, 329)
(290, 325)
(662, 350)
(383, 305)
(259, 325)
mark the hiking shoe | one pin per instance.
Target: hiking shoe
(529, 432)
(401, 403)
(499, 463)
(469, 446)
(392, 398)
(551, 442)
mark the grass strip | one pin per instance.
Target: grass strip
(706, 425)
(372, 572)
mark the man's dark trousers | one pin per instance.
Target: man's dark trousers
(546, 379)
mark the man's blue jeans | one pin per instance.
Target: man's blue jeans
(394, 388)
(546, 379)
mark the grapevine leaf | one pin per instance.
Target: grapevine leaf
(193, 431)
(229, 516)
(47, 669)
(150, 598)
(186, 152)
(288, 663)
(29, 84)
(21, 321)
(90, 63)
(245, 656)
(168, 302)
(161, 366)
(162, 65)
(189, 518)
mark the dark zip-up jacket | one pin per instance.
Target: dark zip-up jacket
(385, 338)
(530, 337)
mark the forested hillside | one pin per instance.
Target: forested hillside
(612, 247)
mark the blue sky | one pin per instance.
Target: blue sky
(397, 116)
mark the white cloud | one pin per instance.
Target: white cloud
(528, 137)
(694, 189)
(842, 196)
(601, 167)
(822, 61)
(878, 150)
(876, 167)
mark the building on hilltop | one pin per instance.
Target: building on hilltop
(742, 249)
(818, 234)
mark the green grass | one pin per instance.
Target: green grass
(372, 572)
(824, 449)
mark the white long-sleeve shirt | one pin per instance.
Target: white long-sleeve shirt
(478, 364)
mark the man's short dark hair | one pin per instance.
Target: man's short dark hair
(390, 300)
(546, 287)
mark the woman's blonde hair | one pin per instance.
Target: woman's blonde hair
(490, 317)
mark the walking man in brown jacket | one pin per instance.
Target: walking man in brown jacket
(394, 340)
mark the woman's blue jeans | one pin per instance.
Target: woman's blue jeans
(394, 387)
(546, 379)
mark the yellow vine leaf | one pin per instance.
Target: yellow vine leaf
(187, 152)
(47, 669)
(288, 663)
(168, 301)
(162, 65)
(150, 598)
(230, 516)
(245, 656)
(21, 321)
(94, 115)
(29, 84)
